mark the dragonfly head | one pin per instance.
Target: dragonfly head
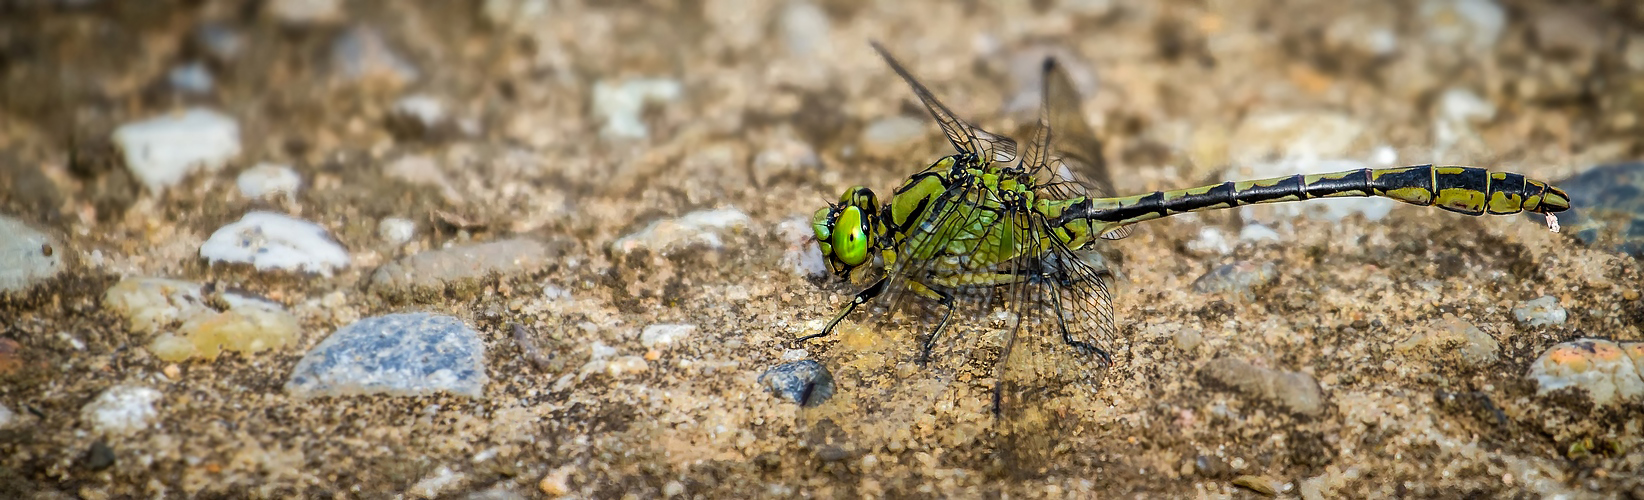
(846, 231)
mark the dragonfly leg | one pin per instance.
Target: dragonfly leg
(1067, 335)
(862, 297)
(946, 300)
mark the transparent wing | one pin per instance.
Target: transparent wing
(1054, 356)
(965, 137)
(1075, 165)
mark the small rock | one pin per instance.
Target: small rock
(805, 382)
(497, 492)
(248, 325)
(557, 482)
(1263, 136)
(267, 179)
(268, 240)
(1188, 339)
(1451, 339)
(1460, 105)
(441, 482)
(6, 417)
(1257, 233)
(1607, 207)
(1603, 368)
(305, 12)
(664, 334)
(419, 169)
(220, 42)
(1211, 241)
(122, 409)
(361, 55)
(1543, 311)
(413, 354)
(438, 268)
(519, 14)
(801, 256)
(805, 27)
(625, 365)
(1260, 484)
(192, 78)
(100, 456)
(1294, 391)
(419, 116)
(27, 256)
(621, 104)
(1470, 24)
(887, 134)
(396, 231)
(695, 228)
(161, 151)
(1235, 279)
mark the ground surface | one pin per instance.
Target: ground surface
(1174, 88)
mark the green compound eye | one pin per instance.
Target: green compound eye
(850, 239)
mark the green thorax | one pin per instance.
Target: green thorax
(965, 217)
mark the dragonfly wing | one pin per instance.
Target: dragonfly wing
(1054, 357)
(964, 136)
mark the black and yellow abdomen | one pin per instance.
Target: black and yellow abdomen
(1465, 190)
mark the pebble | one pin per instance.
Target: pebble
(122, 409)
(1607, 207)
(160, 151)
(412, 354)
(621, 104)
(1543, 311)
(268, 179)
(396, 231)
(1609, 372)
(441, 482)
(701, 228)
(192, 77)
(1257, 234)
(269, 241)
(27, 256)
(805, 28)
(1451, 337)
(1211, 241)
(419, 115)
(556, 483)
(1294, 391)
(305, 12)
(1469, 24)
(423, 170)
(6, 416)
(1235, 279)
(220, 42)
(438, 268)
(361, 55)
(801, 256)
(665, 334)
(1463, 106)
(805, 382)
(248, 325)
(100, 456)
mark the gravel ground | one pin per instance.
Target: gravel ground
(612, 202)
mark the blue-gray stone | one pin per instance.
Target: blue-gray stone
(1606, 207)
(806, 382)
(1236, 279)
(413, 354)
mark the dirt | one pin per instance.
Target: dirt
(1169, 78)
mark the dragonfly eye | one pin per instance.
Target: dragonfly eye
(850, 237)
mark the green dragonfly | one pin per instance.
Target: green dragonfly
(991, 227)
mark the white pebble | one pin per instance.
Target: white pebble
(664, 334)
(6, 417)
(621, 104)
(1210, 241)
(122, 409)
(1257, 233)
(427, 110)
(1462, 106)
(396, 231)
(269, 240)
(805, 27)
(267, 179)
(160, 151)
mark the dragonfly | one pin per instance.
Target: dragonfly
(1018, 231)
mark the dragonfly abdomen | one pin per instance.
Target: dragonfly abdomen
(1466, 190)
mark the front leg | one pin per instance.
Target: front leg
(862, 297)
